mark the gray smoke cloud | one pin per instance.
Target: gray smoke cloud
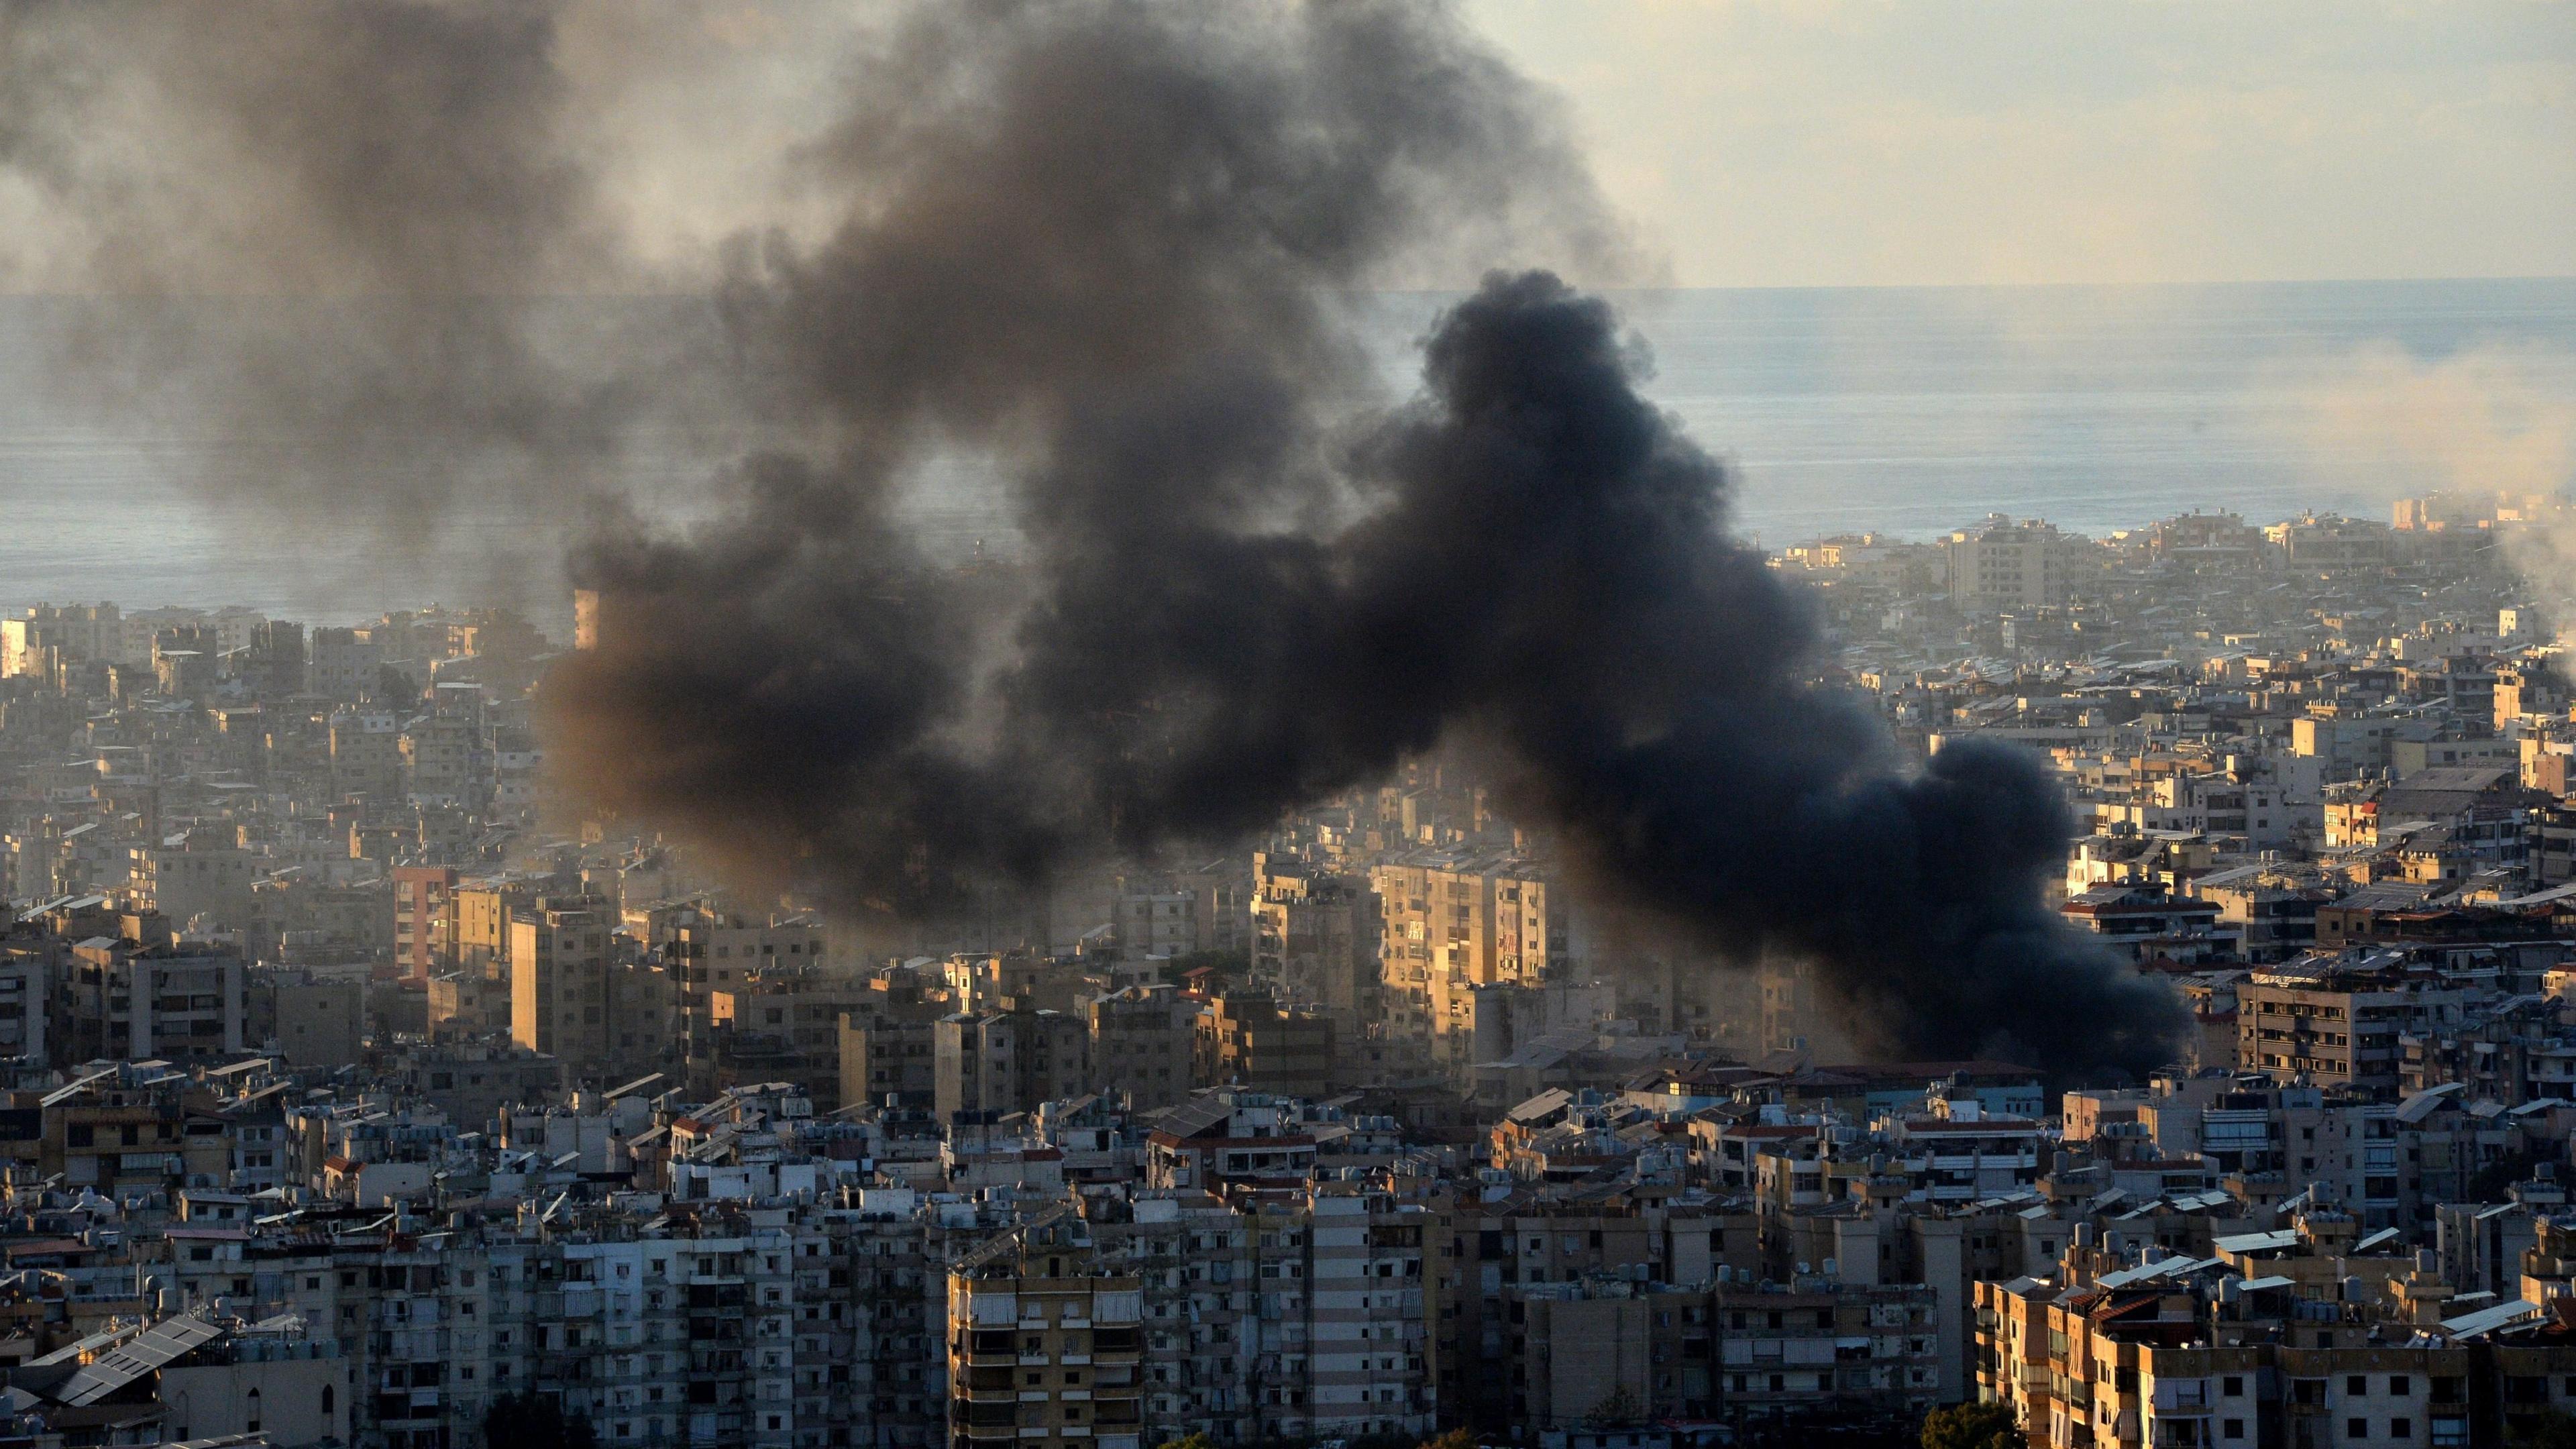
(1115, 254)
(353, 254)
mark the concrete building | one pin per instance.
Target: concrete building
(421, 894)
(26, 989)
(559, 979)
(2000, 566)
(1008, 1061)
(1248, 1040)
(1043, 1343)
(366, 757)
(2338, 1023)
(139, 999)
(342, 664)
(199, 875)
(713, 950)
(1315, 937)
(889, 1063)
(1451, 920)
(1144, 1043)
(311, 1020)
(35, 642)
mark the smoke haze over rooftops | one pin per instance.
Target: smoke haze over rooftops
(1104, 249)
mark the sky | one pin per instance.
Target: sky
(1897, 142)
(1770, 143)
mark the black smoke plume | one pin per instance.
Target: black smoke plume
(1108, 245)
(1115, 255)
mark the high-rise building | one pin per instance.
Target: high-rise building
(1008, 1061)
(421, 897)
(32, 642)
(1143, 1043)
(1044, 1343)
(1452, 920)
(559, 978)
(1315, 937)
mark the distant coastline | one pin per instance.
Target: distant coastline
(1904, 410)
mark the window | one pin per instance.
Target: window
(2356, 1428)
(2232, 1429)
(2400, 1386)
(2233, 1386)
(2357, 1386)
(2401, 1428)
(328, 1400)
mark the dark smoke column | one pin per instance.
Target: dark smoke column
(1107, 248)
(1639, 679)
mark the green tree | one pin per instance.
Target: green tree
(1194, 1441)
(531, 1421)
(1973, 1426)
(1618, 1407)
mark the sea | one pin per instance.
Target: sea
(1907, 411)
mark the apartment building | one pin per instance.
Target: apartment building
(1245, 1039)
(1451, 920)
(1303, 1318)
(26, 989)
(889, 1063)
(1315, 937)
(137, 1001)
(1144, 1044)
(2336, 1022)
(421, 899)
(714, 950)
(1007, 1061)
(201, 874)
(2000, 566)
(1044, 1342)
(2150, 1357)
(1816, 1356)
(366, 757)
(472, 934)
(443, 759)
(779, 1023)
(560, 978)
(342, 664)
(33, 642)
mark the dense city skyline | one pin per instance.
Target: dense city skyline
(1099, 724)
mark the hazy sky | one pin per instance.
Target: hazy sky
(1825, 142)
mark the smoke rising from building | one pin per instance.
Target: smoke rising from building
(1115, 254)
(356, 254)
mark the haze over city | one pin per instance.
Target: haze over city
(1105, 722)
